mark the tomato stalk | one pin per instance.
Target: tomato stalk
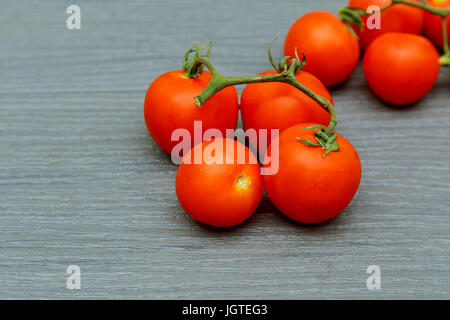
(192, 66)
(445, 59)
(287, 69)
(443, 12)
(354, 16)
(357, 13)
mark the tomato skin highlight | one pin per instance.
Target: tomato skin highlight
(433, 23)
(308, 187)
(401, 68)
(220, 195)
(169, 105)
(280, 105)
(332, 52)
(399, 18)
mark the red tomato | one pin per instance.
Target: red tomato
(279, 105)
(332, 52)
(308, 187)
(169, 105)
(433, 23)
(399, 18)
(224, 192)
(401, 68)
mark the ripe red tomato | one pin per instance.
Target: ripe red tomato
(222, 190)
(169, 105)
(332, 52)
(308, 187)
(433, 23)
(399, 18)
(401, 68)
(279, 105)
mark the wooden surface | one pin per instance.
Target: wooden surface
(82, 183)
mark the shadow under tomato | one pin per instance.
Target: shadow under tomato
(281, 218)
(211, 230)
(365, 90)
(312, 226)
(264, 206)
(276, 218)
(395, 107)
(353, 80)
(267, 215)
(340, 86)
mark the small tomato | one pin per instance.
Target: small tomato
(332, 52)
(433, 23)
(401, 68)
(169, 105)
(398, 18)
(279, 105)
(309, 187)
(224, 188)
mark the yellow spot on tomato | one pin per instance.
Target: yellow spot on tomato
(242, 182)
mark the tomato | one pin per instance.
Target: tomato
(221, 189)
(399, 18)
(401, 68)
(433, 23)
(331, 51)
(169, 105)
(309, 187)
(279, 105)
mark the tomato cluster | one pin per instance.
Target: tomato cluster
(400, 65)
(220, 182)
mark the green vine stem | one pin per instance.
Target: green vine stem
(354, 16)
(287, 69)
(445, 59)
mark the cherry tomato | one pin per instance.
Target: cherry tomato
(280, 105)
(169, 105)
(401, 68)
(332, 52)
(399, 18)
(309, 187)
(221, 189)
(433, 23)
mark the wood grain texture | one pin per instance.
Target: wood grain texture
(81, 181)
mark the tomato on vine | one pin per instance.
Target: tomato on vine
(310, 187)
(222, 189)
(397, 18)
(315, 175)
(266, 106)
(331, 50)
(169, 104)
(401, 68)
(318, 171)
(433, 23)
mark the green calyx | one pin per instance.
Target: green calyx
(445, 60)
(352, 16)
(192, 65)
(285, 64)
(287, 69)
(327, 141)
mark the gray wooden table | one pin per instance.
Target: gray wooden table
(82, 183)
